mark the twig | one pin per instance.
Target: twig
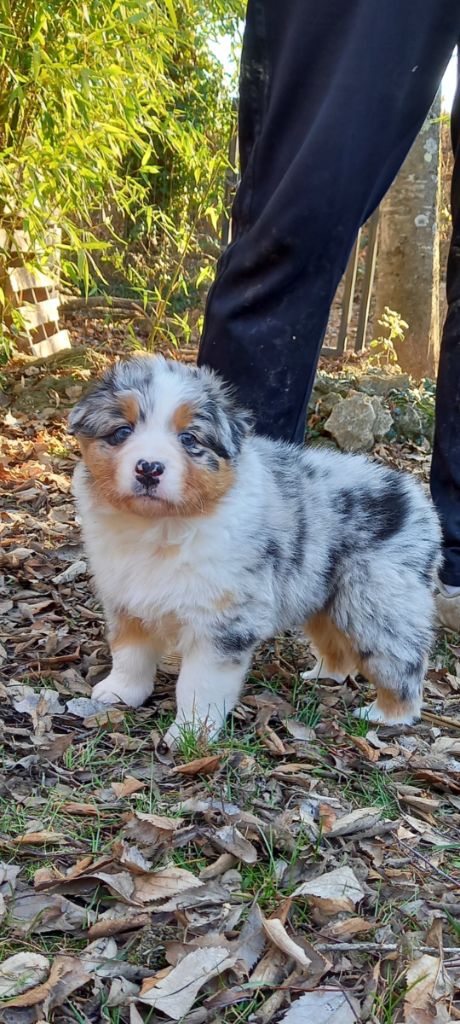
(101, 303)
(427, 862)
(430, 716)
(377, 947)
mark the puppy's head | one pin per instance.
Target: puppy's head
(160, 438)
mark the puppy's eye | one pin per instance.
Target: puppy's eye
(119, 435)
(188, 440)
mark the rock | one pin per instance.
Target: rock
(322, 442)
(383, 419)
(329, 401)
(408, 423)
(325, 383)
(382, 384)
(351, 424)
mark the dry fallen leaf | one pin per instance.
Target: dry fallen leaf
(71, 573)
(175, 993)
(427, 985)
(8, 878)
(47, 912)
(300, 731)
(127, 787)
(280, 938)
(199, 766)
(356, 821)
(252, 940)
(231, 841)
(323, 1006)
(163, 883)
(84, 707)
(347, 929)
(134, 1015)
(225, 862)
(67, 974)
(37, 838)
(131, 858)
(151, 829)
(21, 972)
(209, 894)
(86, 810)
(332, 892)
(365, 748)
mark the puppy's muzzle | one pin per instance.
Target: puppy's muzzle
(148, 473)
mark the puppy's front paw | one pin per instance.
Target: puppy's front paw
(171, 738)
(116, 690)
(180, 729)
(319, 671)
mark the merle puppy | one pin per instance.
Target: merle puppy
(204, 537)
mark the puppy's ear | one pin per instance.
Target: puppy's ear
(83, 416)
(240, 422)
(76, 418)
(218, 406)
(91, 416)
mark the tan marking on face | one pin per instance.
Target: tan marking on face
(182, 417)
(129, 405)
(203, 488)
(333, 646)
(100, 459)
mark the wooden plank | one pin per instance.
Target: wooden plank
(40, 312)
(348, 296)
(368, 281)
(21, 279)
(14, 241)
(329, 353)
(49, 346)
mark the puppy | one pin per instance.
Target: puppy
(208, 539)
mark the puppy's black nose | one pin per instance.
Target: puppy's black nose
(149, 469)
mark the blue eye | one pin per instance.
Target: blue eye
(118, 436)
(188, 440)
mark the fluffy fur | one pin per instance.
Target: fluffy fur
(206, 538)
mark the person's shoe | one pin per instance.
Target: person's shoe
(448, 606)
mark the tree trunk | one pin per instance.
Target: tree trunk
(408, 257)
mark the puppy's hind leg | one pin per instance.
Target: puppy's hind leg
(336, 657)
(399, 685)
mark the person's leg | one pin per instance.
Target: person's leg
(445, 467)
(332, 96)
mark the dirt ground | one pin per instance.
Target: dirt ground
(305, 865)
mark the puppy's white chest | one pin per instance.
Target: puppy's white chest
(160, 572)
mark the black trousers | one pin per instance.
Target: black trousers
(332, 95)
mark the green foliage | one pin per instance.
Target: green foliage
(114, 126)
(383, 347)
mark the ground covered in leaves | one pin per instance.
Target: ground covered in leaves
(305, 868)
